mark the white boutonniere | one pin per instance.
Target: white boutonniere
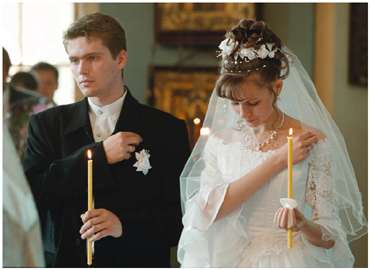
(142, 164)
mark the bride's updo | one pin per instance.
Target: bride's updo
(249, 48)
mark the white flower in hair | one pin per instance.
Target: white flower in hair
(263, 52)
(269, 46)
(272, 52)
(142, 164)
(227, 46)
(247, 52)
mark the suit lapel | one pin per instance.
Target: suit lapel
(130, 117)
(130, 120)
(78, 131)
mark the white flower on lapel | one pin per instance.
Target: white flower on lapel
(142, 164)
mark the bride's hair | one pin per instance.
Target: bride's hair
(236, 66)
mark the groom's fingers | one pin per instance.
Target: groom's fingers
(91, 214)
(94, 229)
(128, 134)
(130, 148)
(100, 235)
(133, 140)
(91, 222)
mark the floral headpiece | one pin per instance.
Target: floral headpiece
(241, 53)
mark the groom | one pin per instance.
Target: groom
(137, 215)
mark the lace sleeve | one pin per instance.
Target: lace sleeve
(319, 193)
(202, 209)
(322, 198)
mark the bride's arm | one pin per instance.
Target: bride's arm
(242, 189)
(313, 233)
(325, 224)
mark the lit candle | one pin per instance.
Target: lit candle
(290, 179)
(89, 200)
(196, 121)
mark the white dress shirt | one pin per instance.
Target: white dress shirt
(103, 119)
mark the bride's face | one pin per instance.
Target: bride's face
(255, 102)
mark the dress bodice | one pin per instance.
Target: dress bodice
(234, 160)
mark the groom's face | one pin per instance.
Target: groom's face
(94, 68)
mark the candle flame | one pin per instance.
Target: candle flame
(196, 121)
(89, 154)
(290, 132)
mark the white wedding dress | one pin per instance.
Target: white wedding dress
(247, 237)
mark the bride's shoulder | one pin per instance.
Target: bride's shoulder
(225, 135)
(217, 139)
(300, 127)
(321, 135)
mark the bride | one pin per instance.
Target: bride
(233, 183)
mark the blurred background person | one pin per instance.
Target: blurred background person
(23, 85)
(47, 77)
(24, 81)
(24, 100)
(22, 245)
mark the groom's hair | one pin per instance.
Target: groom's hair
(98, 25)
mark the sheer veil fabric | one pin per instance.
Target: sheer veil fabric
(208, 243)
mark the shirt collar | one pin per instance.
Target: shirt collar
(110, 109)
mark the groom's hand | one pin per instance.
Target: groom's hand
(120, 146)
(99, 223)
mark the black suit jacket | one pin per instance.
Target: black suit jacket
(147, 205)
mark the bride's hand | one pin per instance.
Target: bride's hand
(295, 222)
(302, 144)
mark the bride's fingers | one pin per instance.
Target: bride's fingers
(294, 217)
(283, 219)
(279, 216)
(276, 216)
(309, 144)
(298, 214)
(291, 219)
(307, 135)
